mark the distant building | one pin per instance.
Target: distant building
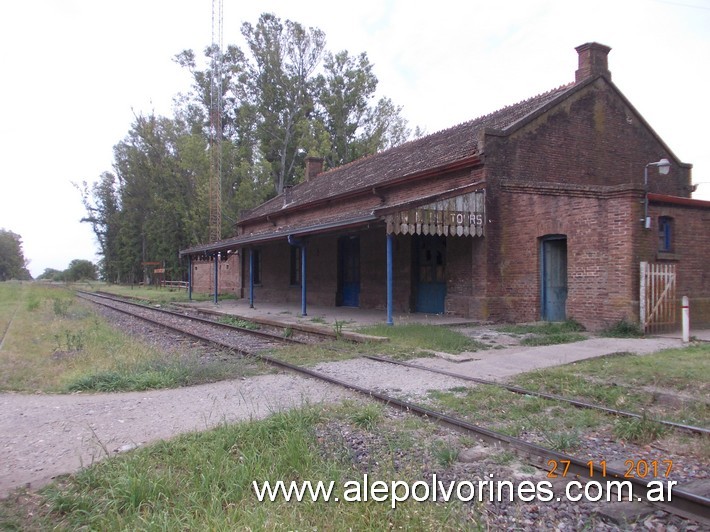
(536, 211)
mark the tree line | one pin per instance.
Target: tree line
(284, 97)
(13, 264)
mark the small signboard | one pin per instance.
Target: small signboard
(458, 216)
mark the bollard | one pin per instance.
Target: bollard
(686, 320)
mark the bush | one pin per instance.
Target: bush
(622, 329)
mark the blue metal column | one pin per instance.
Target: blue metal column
(390, 238)
(189, 277)
(216, 276)
(303, 279)
(251, 278)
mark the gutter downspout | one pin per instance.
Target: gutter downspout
(390, 238)
(251, 278)
(189, 277)
(300, 243)
(216, 277)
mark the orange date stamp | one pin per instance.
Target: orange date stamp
(633, 469)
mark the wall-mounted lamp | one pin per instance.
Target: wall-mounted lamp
(664, 166)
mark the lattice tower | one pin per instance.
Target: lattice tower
(216, 124)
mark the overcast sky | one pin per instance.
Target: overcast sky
(76, 71)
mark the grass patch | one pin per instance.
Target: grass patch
(367, 416)
(336, 350)
(626, 381)
(546, 328)
(553, 339)
(152, 294)
(681, 369)
(75, 349)
(639, 430)
(167, 372)
(444, 453)
(237, 322)
(548, 333)
(622, 329)
(514, 414)
(203, 481)
(563, 441)
(543, 421)
(419, 336)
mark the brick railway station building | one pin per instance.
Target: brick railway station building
(543, 210)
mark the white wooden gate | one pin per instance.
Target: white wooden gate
(659, 305)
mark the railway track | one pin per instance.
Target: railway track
(684, 502)
(692, 429)
(7, 327)
(240, 339)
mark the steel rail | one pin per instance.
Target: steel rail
(325, 335)
(9, 324)
(522, 391)
(252, 332)
(211, 323)
(683, 503)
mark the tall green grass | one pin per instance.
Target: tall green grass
(204, 482)
(58, 343)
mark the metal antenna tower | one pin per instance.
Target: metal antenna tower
(216, 124)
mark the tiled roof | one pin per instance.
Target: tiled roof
(438, 149)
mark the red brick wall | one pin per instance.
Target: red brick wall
(228, 274)
(592, 138)
(465, 292)
(691, 254)
(601, 275)
(578, 171)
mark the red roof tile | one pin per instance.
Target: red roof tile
(438, 149)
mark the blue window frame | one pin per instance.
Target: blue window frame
(665, 234)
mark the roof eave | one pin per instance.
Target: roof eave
(471, 161)
(247, 240)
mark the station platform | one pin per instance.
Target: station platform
(321, 318)
(348, 319)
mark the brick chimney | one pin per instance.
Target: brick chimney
(314, 166)
(592, 61)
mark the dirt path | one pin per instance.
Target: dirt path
(42, 436)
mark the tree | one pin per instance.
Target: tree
(157, 193)
(79, 270)
(13, 264)
(284, 96)
(285, 57)
(51, 274)
(345, 91)
(102, 205)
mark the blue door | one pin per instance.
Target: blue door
(430, 268)
(348, 271)
(554, 278)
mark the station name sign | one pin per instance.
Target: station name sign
(458, 216)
